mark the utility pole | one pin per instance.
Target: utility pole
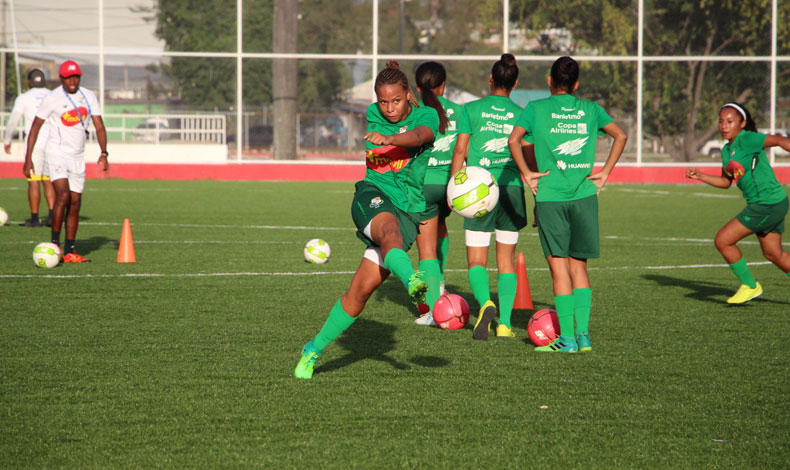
(2, 58)
(285, 79)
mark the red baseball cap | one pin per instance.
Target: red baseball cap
(69, 68)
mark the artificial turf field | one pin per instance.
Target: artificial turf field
(185, 358)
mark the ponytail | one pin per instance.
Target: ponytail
(428, 77)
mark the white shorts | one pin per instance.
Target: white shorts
(40, 169)
(483, 239)
(374, 254)
(72, 168)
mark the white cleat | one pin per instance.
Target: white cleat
(426, 319)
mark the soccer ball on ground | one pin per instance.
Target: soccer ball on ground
(3, 216)
(317, 251)
(451, 312)
(543, 327)
(46, 255)
(472, 192)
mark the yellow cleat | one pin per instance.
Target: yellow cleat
(502, 331)
(483, 326)
(745, 294)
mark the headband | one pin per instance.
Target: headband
(737, 108)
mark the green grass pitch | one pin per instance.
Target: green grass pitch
(185, 358)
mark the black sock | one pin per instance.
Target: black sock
(56, 237)
(50, 214)
(69, 247)
(34, 217)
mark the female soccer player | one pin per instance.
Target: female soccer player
(485, 141)
(385, 206)
(563, 130)
(743, 160)
(433, 241)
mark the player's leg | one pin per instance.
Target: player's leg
(429, 266)
(442, 244)
(477, 243)
(726, 242)
(506, 242)
(76, 186)
(385, 231)
(771, 244)
(366, 280)
(62, 201)
(585, 244)
(582, 301)
(34, 200)
(49, 195)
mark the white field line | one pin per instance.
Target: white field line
(323, 273)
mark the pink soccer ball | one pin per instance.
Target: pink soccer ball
(451, 312)
(543, 327)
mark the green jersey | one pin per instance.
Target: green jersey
(399, 171)
(491, 120)
(744, 161)
(441, 155)
(564, 130)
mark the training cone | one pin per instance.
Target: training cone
(126, 248)
(523, 297)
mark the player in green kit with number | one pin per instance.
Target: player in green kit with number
(386, 204)
(743, 161)
(563, 130)
(433, 242)
(484, 144)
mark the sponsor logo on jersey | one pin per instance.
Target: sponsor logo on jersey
(70, 118)
(443, 144)
(734, 170)
(579, 114)
(389, 158)
(497, 145)
(403, 129)
(376, 202)
(562, 165)
(571, 147)
(485, 162)
(497, 117)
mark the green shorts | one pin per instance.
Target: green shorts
(435, 202)
(764, 218)
(370, 201)
(510, 213)
(569, 228)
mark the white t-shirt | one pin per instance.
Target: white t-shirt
(26, 106)
(67, 134)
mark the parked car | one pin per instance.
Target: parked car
(257, 137)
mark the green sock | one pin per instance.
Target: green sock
(743, 274)
(338, 322)
(582, 302)
(433, 277)
(478, 280)
(506, 285)
(564, 306)
(399, 264)
(442, 248)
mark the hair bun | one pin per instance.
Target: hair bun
(508, 59)
(393, 64)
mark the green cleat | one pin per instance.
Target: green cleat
(304, 370)
(417, 288)
(583, 340)
(561, 344)
(484, 319)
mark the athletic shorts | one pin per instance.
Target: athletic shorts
(370, 201)
(510, 213)
(40, 170)
(435, 202)
(764, 218)
(569, 228)
(72, 168)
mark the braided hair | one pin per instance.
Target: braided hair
(392, 75)
(429, 76)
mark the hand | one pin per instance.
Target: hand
(27, 168)
(378, 139)
(532, 180)
(105, 164)
(599, 179)
(7, 148)
(692, 173)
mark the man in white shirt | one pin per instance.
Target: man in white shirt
(69, 110)
(26, 106)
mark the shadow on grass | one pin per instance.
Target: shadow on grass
(369, 339)
(703, 290)
(92, 244)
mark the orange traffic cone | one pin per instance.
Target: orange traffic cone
(523, 297)
(126, 248)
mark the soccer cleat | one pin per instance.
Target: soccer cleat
(417, 288)
(484, 319)
(561, 344)
(30, 223)
(425, 319)
(75, 258)
(583, 341)
(502, 331)
(48, 222)
(304, 370)
(745, 294)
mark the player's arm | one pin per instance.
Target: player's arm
(416, 137)
(459, 152)
(614, 131)
(101, 136)
(515, 143)
(13, 120)
(722, 181)
(31, 143)
(777, 141)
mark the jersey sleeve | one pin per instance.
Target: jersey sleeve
(47, 106)
(430, 119)
(603, 118)
(94, 102)
(462, 121)
(753, 141)
(527, 121)
(13, 120)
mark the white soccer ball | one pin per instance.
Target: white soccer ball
(317, 251)
(46, 255)
(472, 192)
(3, 216)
